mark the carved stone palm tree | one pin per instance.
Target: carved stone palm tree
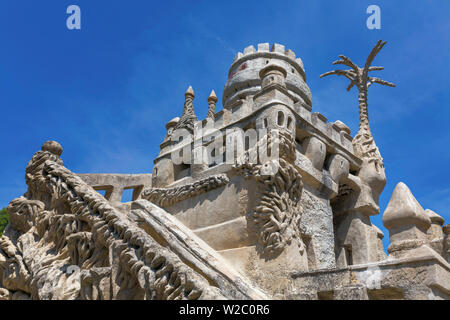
(372, 170)
(363, 143)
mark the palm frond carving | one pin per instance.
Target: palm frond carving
(363, 143)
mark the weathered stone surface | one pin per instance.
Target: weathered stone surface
(315, 150)
(317, 224)
(338, 167)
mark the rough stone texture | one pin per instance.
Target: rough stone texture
(295, 226)
(317, 224)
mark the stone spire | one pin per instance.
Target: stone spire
(188, 117)
(212, 99)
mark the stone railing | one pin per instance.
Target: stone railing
(70, 235)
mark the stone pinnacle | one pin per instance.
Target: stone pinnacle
(212, 96)
(404, 209)
(189, 92)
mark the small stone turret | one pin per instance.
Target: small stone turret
(170, 126)
(273, 74)
(275, 94)
(406, 220)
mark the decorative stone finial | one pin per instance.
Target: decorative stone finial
(212, 96)
(405, 218)
(212, 100)
(190, 92)
(404, 209)
(53, 147)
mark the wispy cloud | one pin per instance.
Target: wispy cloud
(205, 31)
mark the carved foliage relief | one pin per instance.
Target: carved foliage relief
(277, 213)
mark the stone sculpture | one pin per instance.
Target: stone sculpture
(287, 215)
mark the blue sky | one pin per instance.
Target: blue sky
(105, 92)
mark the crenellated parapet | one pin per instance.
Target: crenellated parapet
(243, 76)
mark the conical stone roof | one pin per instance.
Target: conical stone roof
(403, 209)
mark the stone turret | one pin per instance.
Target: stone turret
(170, 126)
(244, 79)
(275, 94)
